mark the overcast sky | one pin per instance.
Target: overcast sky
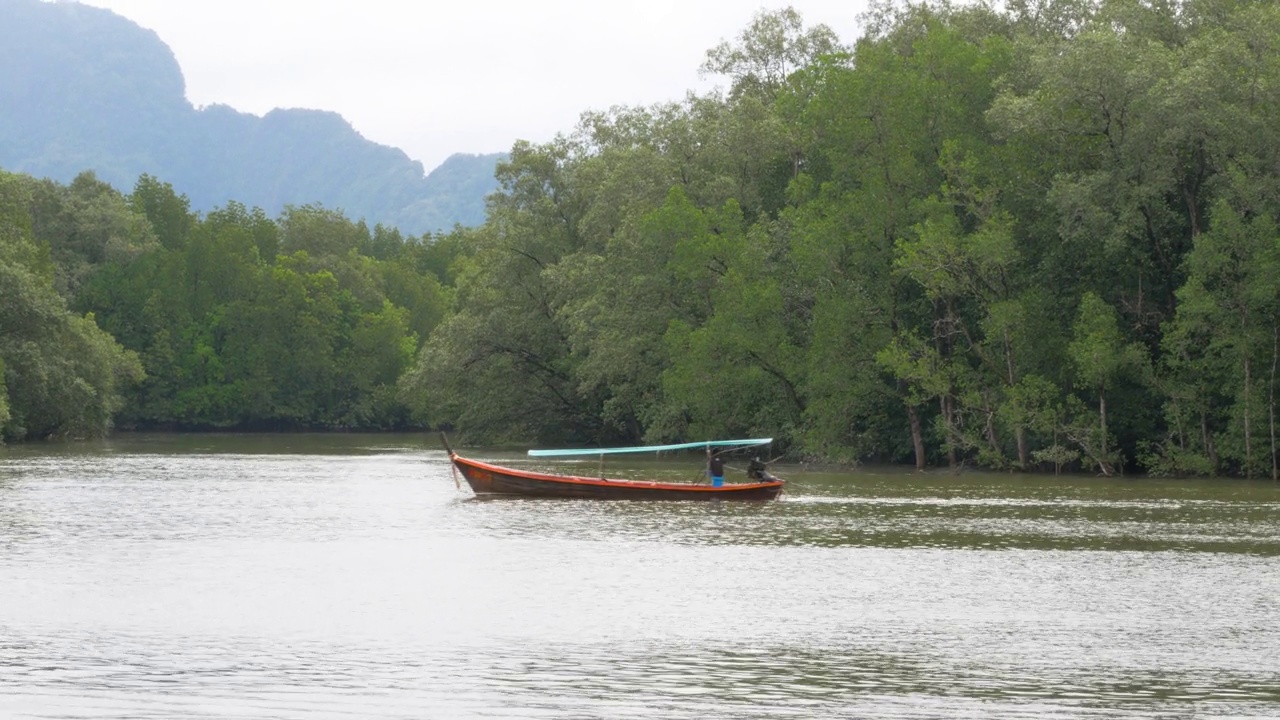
(436, 78)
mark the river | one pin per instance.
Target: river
(345, 576)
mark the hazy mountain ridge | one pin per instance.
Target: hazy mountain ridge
(86, 89)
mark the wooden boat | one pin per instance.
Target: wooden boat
(487, 479)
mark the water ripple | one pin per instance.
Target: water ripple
(346, 577)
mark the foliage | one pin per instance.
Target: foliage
(974, 235)
(239, 321)
(62, 375)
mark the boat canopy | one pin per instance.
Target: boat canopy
(649, 448)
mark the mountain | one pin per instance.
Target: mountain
(86, 89)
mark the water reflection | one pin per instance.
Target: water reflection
(933, 522)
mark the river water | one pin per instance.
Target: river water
(347, 577)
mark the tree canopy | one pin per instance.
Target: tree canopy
(1016, 237)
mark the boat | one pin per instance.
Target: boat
(487, 479)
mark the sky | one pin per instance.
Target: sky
(435, 78)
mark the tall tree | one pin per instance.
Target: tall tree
(63, 375)
(774, 46)
(1101, 358)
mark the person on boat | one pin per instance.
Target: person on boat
(715, 468)
(758, 471)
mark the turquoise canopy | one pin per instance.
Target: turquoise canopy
(649, 448)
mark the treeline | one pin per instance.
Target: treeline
(133, 309)
(1041, 237)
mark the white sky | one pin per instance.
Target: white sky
(436, 78)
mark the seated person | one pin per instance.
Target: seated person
(756, 470)
(715, 468)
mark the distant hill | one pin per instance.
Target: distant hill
(85, 89)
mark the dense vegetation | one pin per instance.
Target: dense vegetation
(86, 89)
(230, 320)
(1037, 237)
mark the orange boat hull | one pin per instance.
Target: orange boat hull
(486, 479)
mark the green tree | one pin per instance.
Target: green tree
(1101, 358)
(380, 347)
(4, 401)
(85, 224)
(774, 46)
(1222, 344)
(168, 212)
(64, 377)
(500, 366)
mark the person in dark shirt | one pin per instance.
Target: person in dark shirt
(758, 471)
(715, 468)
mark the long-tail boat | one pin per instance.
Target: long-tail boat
(487, 479)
